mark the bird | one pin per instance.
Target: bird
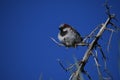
(69, 36)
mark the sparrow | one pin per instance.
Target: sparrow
(68, 36)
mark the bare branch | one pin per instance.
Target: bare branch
(98, 67)
(68, 68)
(62, 65)
(59, 44)
(107, 9)
(82, 44)
(40, 78)
(110, 40)
(92, 45)
(86, 73)
(116, 27)
(91, 34)
(71, 76)
(94, 36)
(109, 74)
(103, 55)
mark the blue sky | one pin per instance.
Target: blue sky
(26, 50)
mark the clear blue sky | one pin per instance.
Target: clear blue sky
(26, 50)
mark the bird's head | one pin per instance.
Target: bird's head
(64, 27)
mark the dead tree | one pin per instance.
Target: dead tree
(91, 50)
(94, 37)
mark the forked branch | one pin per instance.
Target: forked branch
(92, 46)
